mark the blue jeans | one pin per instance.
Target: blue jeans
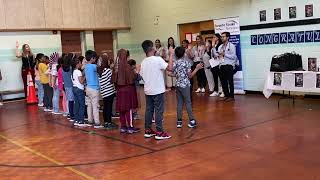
(40, 91)
(55, 99)
(79, 104)
(154, 102)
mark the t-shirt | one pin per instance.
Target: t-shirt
(92, 76)
(181, 68)
(107, 88)
(44, 78)
(75, 79)
(152, 72)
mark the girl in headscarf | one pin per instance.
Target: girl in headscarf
(124, 78)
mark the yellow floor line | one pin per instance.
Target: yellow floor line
(47, 158)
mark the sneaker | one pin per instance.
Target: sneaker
(76, 123)
(65, 114)
(203, 90)
(82, 124)
(162, 136)
(222, 95)
(153, 120)
(111, 126)
(40, 105)
(149, 133)
(49, 110)
(229, 99)
(123, 129)
(1, 104)
(68, 116)
(179, 123)
(56, 113)
(116, 115)
(71, 120)
(192, 124)
(46, 110)
(132, 130)
(214, 94)
(97, 126)
(198, 90)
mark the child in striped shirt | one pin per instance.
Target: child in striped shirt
(107, 90)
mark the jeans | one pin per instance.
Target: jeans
(93, 105)
(226, 72)
(70, 99)
(48, 93)
(79, 104)
(183, 96)
(154, 102)
(107, 108)
(55, 99)
(40, 91)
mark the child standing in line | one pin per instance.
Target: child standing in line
(92, 89)
(133, 64)
(44, 79)
(54, 83)
(182, 71)
(108, 91)
(61, 88)
(124, 78)
(78, 92)
(39, 58)
(68, 85)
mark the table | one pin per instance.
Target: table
(292, 81)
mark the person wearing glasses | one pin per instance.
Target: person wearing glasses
(228, 57)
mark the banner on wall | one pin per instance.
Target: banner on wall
(232, 25)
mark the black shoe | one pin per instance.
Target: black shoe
(179, 123)
(111, 126)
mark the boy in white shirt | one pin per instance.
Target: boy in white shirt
(152, 72)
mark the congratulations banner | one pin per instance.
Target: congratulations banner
(232, 25)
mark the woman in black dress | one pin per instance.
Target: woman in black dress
(28, 64)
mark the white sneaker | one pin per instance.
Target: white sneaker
(46, 110)
(222, 95)
(198, 90)
(214, 94)
(98, 127)
(1, 104)
(65, 114)
(56, 113)
(203, 90)
(49, 110)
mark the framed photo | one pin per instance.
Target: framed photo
(277, 79)
(309, 10)
(263, 15)
(312, 64)
(277, 14)
(292, 12)
(299, 79)
(318, 81)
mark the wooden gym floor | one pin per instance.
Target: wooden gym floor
(247, 139)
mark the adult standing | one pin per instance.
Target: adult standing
(216, 70)
(198, 52)
(207, 66)
(28, 64)
(227, 54)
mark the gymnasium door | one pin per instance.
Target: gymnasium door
(103, 42)
(71, 42)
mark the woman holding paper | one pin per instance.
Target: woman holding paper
(207, 66)
(215, 62)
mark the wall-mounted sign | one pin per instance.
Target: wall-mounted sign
(286, 37)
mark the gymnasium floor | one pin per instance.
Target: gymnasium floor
(247, 139)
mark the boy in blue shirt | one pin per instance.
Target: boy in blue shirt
(92, 89)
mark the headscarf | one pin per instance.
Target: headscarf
(123, 75)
